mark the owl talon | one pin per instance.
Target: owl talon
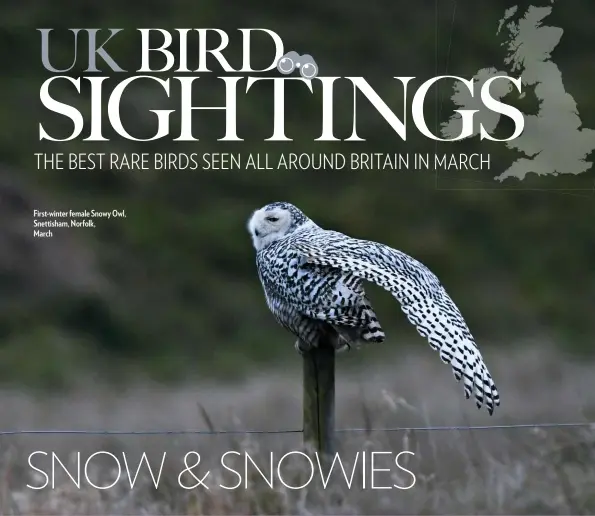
(344, 346)
(299, 348)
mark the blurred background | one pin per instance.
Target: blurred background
(155, 320)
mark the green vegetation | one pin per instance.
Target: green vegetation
(172, 290)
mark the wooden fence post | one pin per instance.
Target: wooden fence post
(319, 399)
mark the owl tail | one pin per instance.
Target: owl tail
(370, 331)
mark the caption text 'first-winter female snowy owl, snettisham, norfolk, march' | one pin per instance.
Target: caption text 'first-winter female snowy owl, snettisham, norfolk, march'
(312, 280)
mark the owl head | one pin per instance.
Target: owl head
(273, 222)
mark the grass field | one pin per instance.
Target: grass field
(497, 471)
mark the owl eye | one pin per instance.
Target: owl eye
(272, 219)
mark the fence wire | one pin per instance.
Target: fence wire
(583, 424)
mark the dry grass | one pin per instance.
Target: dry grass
(515, 471)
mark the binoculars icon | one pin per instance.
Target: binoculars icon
(292, 60)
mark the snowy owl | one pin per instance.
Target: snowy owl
(312, 280)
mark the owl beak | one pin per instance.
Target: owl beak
(256, 232)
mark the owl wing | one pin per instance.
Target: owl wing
(316, 291)
(421, 296)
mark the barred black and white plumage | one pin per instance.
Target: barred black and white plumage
(312, 280)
